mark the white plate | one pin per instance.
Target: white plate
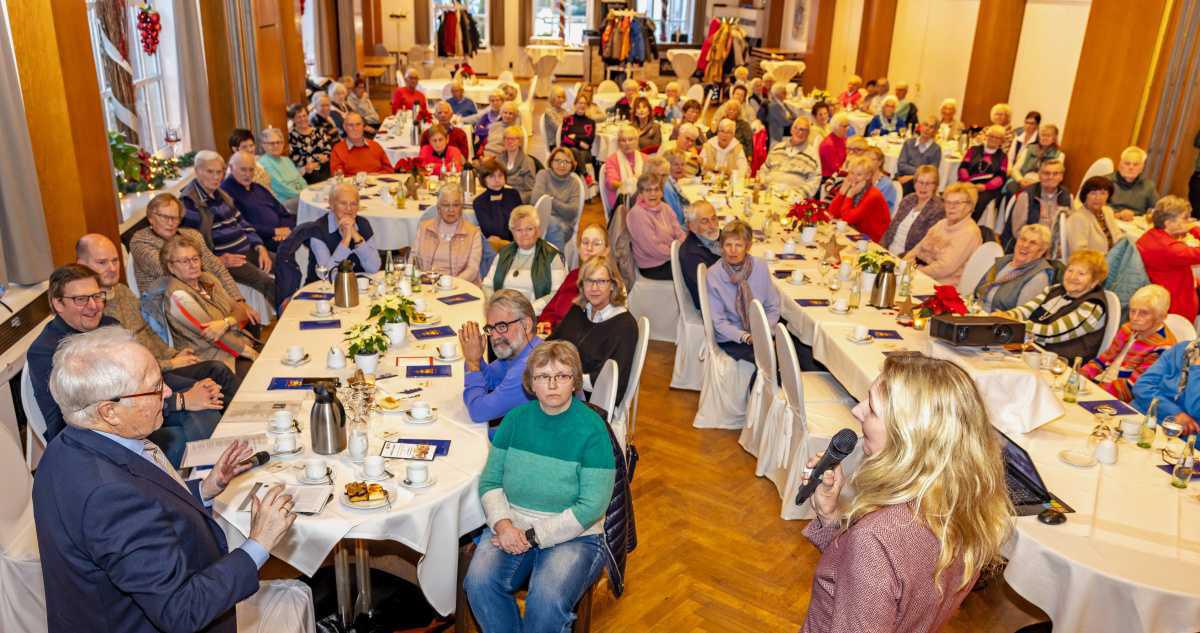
(429, 420)
(297, 363)
(836, 311)
(860, 341)
(363, 505)
(1076, 458)
(421, 486)
(441, 288)
(449, 360)
(294, 428)
(792, 281)
(319, 315)
(296, 451)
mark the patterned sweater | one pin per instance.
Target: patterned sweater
(552, 473)
(1083, 320)
(1144, 352)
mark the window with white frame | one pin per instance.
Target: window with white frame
(677, 26)
(546, 20)
(155, 107)
(478, 10)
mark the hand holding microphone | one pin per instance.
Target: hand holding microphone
(825, 480)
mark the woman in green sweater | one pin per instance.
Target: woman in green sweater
(545, 488)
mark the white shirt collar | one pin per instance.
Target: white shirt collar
(607, 312)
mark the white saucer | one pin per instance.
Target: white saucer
(302, 478)
(319, 315)
(792, 280)
(364, 505)
(429, 420)
(1076, 458)
(411, 486)
(860, 341)
(362, 475)
(836, 311)
(441, 288)
(294, 428)
(449, 360)
(304, 360)
(296, 451)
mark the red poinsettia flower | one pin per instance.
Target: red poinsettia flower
(659, 112)
(945, 299)
(810, 211)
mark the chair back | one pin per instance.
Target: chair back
(1102, 167)
(760, 336)
(604, 390)
(532, 94)
(633, 389)
(446, 90)
(1179, 326)
(1112, 318)
(130, 275)
(582, 200)
(544, 205)
(608, 86)
(899, 194)
(789, 369)
(695, 92)
(705, 308)
(604, 201)
(35, 422)
(571, 254)
(687, 309)
(977, 266)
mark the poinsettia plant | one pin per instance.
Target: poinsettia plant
(392, 309)
(408, 166)
(366, 338)
(810, 212)
(945, 299)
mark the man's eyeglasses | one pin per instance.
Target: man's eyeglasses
(499, 328)
(551, 379)
(82, 300)
(157, 392)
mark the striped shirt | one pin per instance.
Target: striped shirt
(1085, 319)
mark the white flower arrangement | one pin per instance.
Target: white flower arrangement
(366, 338)
(392, 309)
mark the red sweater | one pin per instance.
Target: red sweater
(562, 301)
(1168, 263)
(870, 216)
(403, 98)
(457, 139)
(833, 153)
(451, 157)
(368, 157)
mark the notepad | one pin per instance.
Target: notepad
(427, 371)
(427, 333)
(311, 295)
(324, 324)
(885, 334)
(461, 297)
(207, 452)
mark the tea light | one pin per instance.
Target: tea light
(919, 322)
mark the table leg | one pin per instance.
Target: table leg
(362, 570)
(341, 575)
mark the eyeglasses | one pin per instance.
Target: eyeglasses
(499, 328)
(157, 392)
(551, 379)
(194, 259)
(165, 217)
(596, 283)
(560, 161)
(82, 300)
(458, 206)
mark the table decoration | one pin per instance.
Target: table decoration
(366, 342)
(945, 299)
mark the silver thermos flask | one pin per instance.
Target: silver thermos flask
(468, 181)
(327, 422)
(345, 286)
(883, 295)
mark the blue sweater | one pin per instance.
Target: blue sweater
(496, 388)
(260, 208)
(1162, 381)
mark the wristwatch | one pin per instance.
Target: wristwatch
(531, 536)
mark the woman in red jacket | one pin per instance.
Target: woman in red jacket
(858, 202)
(439, 154)
(591, 241)
(1167, 259)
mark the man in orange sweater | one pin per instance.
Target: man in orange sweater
(357, 153)
(405, 96)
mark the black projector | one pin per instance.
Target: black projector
(976, 331)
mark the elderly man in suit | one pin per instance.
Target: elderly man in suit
(126, 544)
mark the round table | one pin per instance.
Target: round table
(394, 227)
(478, 91)
(892, 144)
(782, 71)
(430, 520)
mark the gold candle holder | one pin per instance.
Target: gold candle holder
(919, 322)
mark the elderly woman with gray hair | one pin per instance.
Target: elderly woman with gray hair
(723, 153)
(1137, 344)
(733, 283)
(447, 243)
(323, 115)
(1167, 258)
(529, 264)
(286, 180)
(1016, 279)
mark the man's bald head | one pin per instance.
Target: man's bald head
(241, 165)
(98, 253)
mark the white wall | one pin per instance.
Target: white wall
(1047, 58)
(843, 53)
(931, 49)
(398, 34)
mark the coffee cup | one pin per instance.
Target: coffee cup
(797, 276)
(420, 410)
(1033, 360)
(315, 469)
(363, 284)
(789, 247)
(861, 333)
(281, 421)
(1106, 452)
(842, 304)
(1130, 428)
(323, 306)
(373, 466)
(861, 245)
(285, 443)
(295, 353)
(445, 282)
(416, 473)
(418, 304)
(449, 349)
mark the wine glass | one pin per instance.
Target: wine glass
(1058, 368)
(322, 274)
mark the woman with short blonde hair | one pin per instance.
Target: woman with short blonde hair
(910, 545)
(1136, 346)
(858, 202)
(528, 264)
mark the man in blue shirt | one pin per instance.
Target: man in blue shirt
(126, 544)
(1174, 380)
(258, 206)
(493, 389)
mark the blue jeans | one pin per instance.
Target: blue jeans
(557, 577)
(559, 233)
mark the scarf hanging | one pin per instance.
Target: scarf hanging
(740, 277)
(629, 174)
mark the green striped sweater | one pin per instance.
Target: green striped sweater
(553, 473)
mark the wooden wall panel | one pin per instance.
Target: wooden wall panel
(271, 66)
(816, 61)
(993, 55)
(1118, 48)
(219, 67)
(67, 130)
(293, 49)
(774, 24)
(875, 39)
(421, 27)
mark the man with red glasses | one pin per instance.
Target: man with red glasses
(78, 301)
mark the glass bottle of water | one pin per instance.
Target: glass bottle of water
(1149, 426)
(1182, 474)
(855, 292)
(1071, 388)
(416, 276)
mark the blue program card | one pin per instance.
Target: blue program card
(791, 256)
(440, 331)
(462, 297)
(885, 334)
(326, 324)
(782, 274)
(812, 303)
(310, 295)
(1111, 407)
(427, 371)
(443, 446)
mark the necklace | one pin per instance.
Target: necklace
(518, 264)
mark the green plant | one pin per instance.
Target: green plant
(366, 338)
(392, 309)
(137, 170)
(872, 261)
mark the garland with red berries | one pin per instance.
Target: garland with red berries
(149, 25)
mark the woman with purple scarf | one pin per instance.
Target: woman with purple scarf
(733, 282)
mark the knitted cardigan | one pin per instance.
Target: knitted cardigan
(1143, 354)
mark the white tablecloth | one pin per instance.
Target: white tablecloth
(394, 228)
(477, 92)
(429, 521)
(891, 146)
(397, 141)
(606, 139)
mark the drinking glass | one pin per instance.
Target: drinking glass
(322, 274)
(1058, 368)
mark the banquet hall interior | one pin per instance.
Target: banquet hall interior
(600, 315)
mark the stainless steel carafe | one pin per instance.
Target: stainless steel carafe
(468, 181)
(883, 295)
(327, 422)
(345, 286)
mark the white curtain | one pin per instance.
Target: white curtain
(193, 76)
(24, 245)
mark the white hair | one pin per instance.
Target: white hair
(727, 123)
(91, 368)
(333, 88)
(1133, 154)
(689, 213)
(890, 99)
(949, 102)
(690, 130)
(205, 156)
(524, 212)
(839, 119)
(1154, 297)
(271, 131)
(451, 188)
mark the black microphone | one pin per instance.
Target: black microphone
(840, 447)
(262, 457)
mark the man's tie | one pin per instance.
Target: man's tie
(156, 455)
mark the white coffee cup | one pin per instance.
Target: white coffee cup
(281, 421)
(420, 410)
(861, 332)
(1131, 426)
(449, 349)
(842, 304)
(789, 247)
(769, 254)
(419, 304)
(416, 473)
(445, 282)
(797, 276)
(842, 226)
(373, 466)
(315, 468)
(295, 353)
(1033, 360)
(861, 245)
(323, 306)
(363, 284)
(285, 443)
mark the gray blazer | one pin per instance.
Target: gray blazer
(934, 211)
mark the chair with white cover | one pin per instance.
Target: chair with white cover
(23, 598)
(604, 201)
(764, 388)
(1112, 319)
(726, 382)
(532, 91)
(810, 407)
(1102, 167)
(625, 415)
(256, 300)
(608, 86)
(130, 277)
(35, 422)
(544, 206)
(695, 92)
(688, 371)
(447, 90)
(1179, 326)
(646, 300)
(441, 72)
(684, 63)
(977, 266)
(279, 606)
(604, 390)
